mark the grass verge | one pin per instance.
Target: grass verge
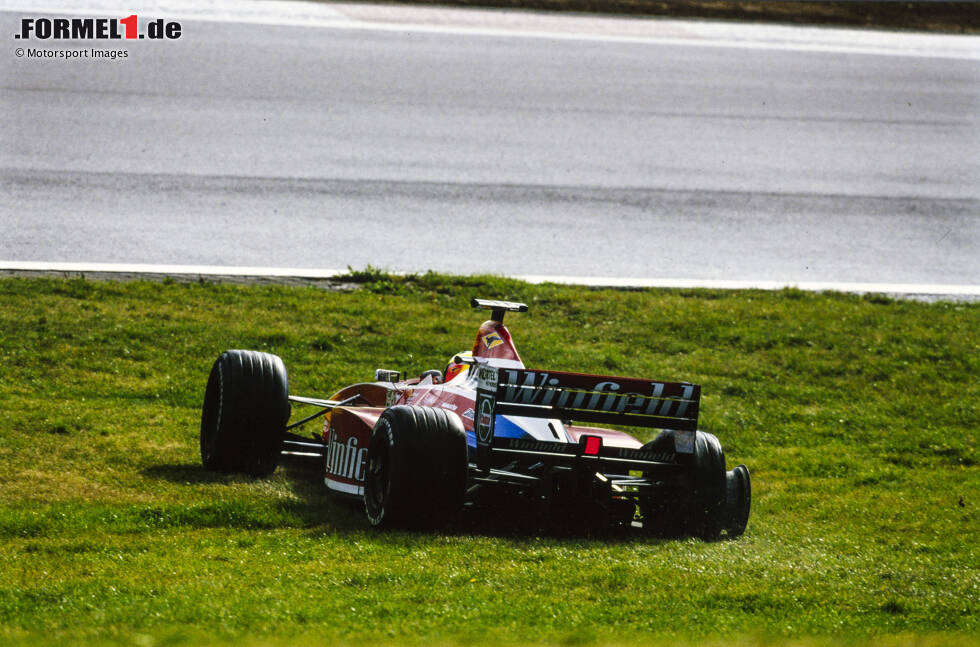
(858, 417)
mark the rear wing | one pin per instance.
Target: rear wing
(582, 398)
(498, 307)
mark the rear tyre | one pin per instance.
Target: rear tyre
(707, 515)
(246, 406)
(417, 464)
(692, 504)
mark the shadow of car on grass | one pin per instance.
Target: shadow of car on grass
(312, 506)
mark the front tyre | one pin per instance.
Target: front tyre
(246, 406)
(738, 500)
(417, 465)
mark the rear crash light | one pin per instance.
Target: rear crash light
(591, 445)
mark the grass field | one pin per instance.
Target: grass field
(858, 416)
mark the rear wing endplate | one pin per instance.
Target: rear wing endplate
(581, 398)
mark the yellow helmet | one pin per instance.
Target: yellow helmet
(457, 366)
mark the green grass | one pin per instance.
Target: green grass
(858, 417)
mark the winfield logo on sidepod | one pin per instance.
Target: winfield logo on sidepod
(345, 460)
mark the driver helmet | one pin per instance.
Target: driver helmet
(456, 366)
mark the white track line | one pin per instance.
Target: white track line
(307, 273)
(175, 270)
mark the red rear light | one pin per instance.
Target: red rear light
(592, 445)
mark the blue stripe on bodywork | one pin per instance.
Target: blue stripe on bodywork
(502, 428)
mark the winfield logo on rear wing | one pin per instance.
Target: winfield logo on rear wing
(582, 398)
(574, 392)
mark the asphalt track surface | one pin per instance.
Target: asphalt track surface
(411, 149)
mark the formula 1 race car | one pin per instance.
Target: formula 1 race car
(486, 431)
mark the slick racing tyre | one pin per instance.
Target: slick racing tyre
(417, 464)
(705, 501)
(706, 517)
(246, 406)
(738, 500)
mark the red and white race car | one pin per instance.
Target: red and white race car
(486, 431)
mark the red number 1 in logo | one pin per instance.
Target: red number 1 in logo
(130, 23)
